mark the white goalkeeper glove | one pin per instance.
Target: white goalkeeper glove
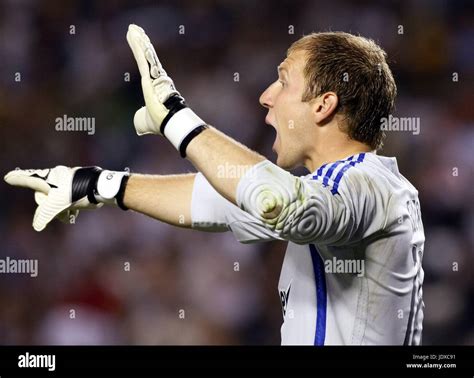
(61, 192)
(165, 112)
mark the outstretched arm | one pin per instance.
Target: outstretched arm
(166, 198)
(61, 192)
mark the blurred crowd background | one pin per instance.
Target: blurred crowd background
(182, 287)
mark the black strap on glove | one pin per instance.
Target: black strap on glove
(84, 183)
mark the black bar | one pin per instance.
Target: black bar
(159, 361)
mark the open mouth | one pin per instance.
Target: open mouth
(277, 139)
(276, 143)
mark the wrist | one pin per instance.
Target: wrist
(110, 188)
(99, 186)
(181, 125)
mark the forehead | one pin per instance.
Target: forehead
(294, 62)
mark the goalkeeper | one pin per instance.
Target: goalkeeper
(352, 271)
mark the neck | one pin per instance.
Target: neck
(328, 154)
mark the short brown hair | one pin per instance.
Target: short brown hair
(355, 68)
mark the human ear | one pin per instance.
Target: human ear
(324, 107)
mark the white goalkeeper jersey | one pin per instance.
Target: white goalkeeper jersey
(352, 271)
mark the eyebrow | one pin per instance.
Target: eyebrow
(281, 69)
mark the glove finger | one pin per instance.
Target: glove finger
(140, 121)
(29, 178)
(136, 43)
(139, 37)
(40, 198)
(155, 110)
(55, 203)
(156, 68)
(148, 92)
(60, 176)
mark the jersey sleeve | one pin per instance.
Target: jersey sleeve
(213, 213)
(309, 210)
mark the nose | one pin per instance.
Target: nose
(266, 99)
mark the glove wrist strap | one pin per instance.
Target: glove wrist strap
(183, 127)
(110, 187)
(121, 193)
(84, 183)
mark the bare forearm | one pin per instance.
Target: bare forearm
(213, 154)
(166, 198)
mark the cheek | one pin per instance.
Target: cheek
(284, 110)
(289, 116)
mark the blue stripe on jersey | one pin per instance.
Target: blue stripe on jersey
(349, 162)
(330, 171)
(338, 178)
(319, 172)
(321, 296)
